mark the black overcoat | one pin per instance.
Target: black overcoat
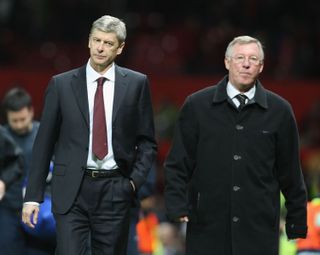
(226, 168)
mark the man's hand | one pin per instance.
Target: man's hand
(184, 219)
(132, 185)
(2, 189)
(30, 215)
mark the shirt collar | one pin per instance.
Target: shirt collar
(260, 93)
(232, 91)
(93, 75)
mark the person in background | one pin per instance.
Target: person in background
(311, 244)
(19, 114)
(145, 195)
(97, 122)
(11, 176)
(235, 147)
(21, 126)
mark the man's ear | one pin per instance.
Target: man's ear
(227, 63)
(120, 48)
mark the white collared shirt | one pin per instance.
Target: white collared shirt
(108, 94)
(233, 92)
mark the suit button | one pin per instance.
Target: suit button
(239, 127)
(236, 157)
(235, 219)
(236, 188)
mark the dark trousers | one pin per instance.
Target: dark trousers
(101, 212)
(11, 233)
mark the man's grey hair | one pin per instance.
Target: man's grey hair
(244, 39)
(110, 24)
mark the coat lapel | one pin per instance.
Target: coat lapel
(79, 86)
(120, 88)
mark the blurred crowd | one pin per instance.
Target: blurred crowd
(166, 37)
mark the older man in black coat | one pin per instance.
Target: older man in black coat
(235, 148)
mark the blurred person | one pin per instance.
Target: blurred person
(170, 239)
(97, 121)
(310, 128)
(235, 147)
(146, 196)
(311, 244)
(19, 113)
(17, 104)
(11, 176)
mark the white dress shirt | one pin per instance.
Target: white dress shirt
(108, 93)
(233, 92)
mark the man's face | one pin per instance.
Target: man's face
(104, 48)
(20, 121)
(244, 65)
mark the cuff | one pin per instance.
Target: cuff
(296, 231)
(31, 203)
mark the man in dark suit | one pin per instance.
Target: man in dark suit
(97, 122)
(235, 148)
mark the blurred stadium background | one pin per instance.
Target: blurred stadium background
(180, 45)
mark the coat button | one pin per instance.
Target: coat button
(235, 219)
(236, 188)
(239, 127)
(236, 157)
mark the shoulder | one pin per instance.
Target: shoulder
(129, 72)
(4, 132)
(202, 95)
(279, 107)
(36, 125)
(7, 139)
(69, 74)
(198, 101)
(276, 101)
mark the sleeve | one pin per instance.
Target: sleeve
(148, 188)
(12, 165)
(44, 144)
(290, 177)
(146, 146)
(180, 162)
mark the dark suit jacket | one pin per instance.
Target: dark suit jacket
(64, 133)
(233, 165)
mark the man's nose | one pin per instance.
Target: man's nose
(246, 63)
(100, 46)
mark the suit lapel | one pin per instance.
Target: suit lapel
(79, 86)
(120, 88)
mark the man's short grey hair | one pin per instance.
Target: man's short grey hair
(244, 39)
(110, 24)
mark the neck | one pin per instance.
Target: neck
(101, 69)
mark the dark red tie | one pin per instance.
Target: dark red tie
(99, 128)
